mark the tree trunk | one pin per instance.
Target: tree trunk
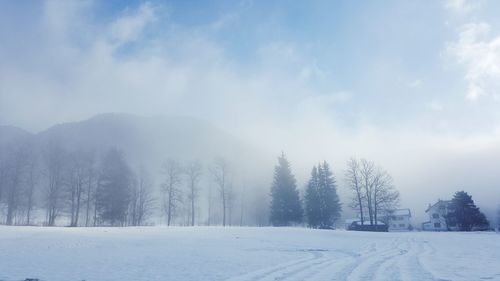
(192, 205)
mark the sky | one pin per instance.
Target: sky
(412, 85)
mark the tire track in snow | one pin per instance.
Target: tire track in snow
(366, 267)
(397, 260)
(302, 269)
(409, 265)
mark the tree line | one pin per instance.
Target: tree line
(371, 186)
(78, 187)
(87, 188)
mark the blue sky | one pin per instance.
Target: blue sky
(393, 81)
(391, 58)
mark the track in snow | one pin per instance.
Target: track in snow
(398, 260)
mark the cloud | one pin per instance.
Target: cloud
(461, 7)
(415, 83)
(479, 53)
(435, 106)
(128, 28)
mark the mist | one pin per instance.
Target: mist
(245, 85)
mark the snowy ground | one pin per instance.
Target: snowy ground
(241, 254)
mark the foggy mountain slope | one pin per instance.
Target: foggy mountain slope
(147, 141)
(12, 134)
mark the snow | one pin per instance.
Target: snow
(243, 254)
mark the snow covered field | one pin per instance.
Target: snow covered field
(234, 253)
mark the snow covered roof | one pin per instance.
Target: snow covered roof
(401, 212)
(439, 202)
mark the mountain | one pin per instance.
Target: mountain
(9, 134)
(148, 141)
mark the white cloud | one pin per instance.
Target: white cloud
(435, 106)
(128, 28)
(415, 83)
(479, 53)
(461, 7)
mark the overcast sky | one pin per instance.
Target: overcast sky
(412, 85)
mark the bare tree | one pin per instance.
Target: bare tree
(242, 203)
(498, 218)
(372, 187)
(32, 174)
(209, 214)
(142, 201)
(385, 196)
(77, 174)
(3, 170)
(16, 165)
(91, 186)
(172, 171)
(355, 185)
(54, 156)
(367, 172)
(193, 172)
(220, 173)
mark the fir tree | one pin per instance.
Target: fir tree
(286, 207)
(322, 202)
(313, 200)
(330, 203)
(465, 212)
(113, 191)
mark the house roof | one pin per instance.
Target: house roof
(401, 212)
(439, 202)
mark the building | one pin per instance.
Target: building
(438, 217)
(390, 220)
(399, 220)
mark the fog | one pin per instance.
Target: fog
(290, 79)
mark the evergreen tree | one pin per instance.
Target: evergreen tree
(286, 207)
(321, 199)
(465, 212)
(313, 200)
(113, 191)
(329, 200)
(498, 218)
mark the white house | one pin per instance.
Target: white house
(396, 220)
(399, 220)
(437, 217)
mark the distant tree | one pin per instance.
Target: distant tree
(373, 189)
(113, 191)
(172, 171)
(321, 199)
(220, 173)
(313, 200)
(193, 172)
(498, 218)
(32, 178)
(367, 172)
(465, 212)
(55, 164)
(330, 203)
(77, 176)
(3, 170)
(16, 163)
(286, 207)
(385, 196)
(91, 187)
(354, 182)
(142, 201)
(242, 203)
